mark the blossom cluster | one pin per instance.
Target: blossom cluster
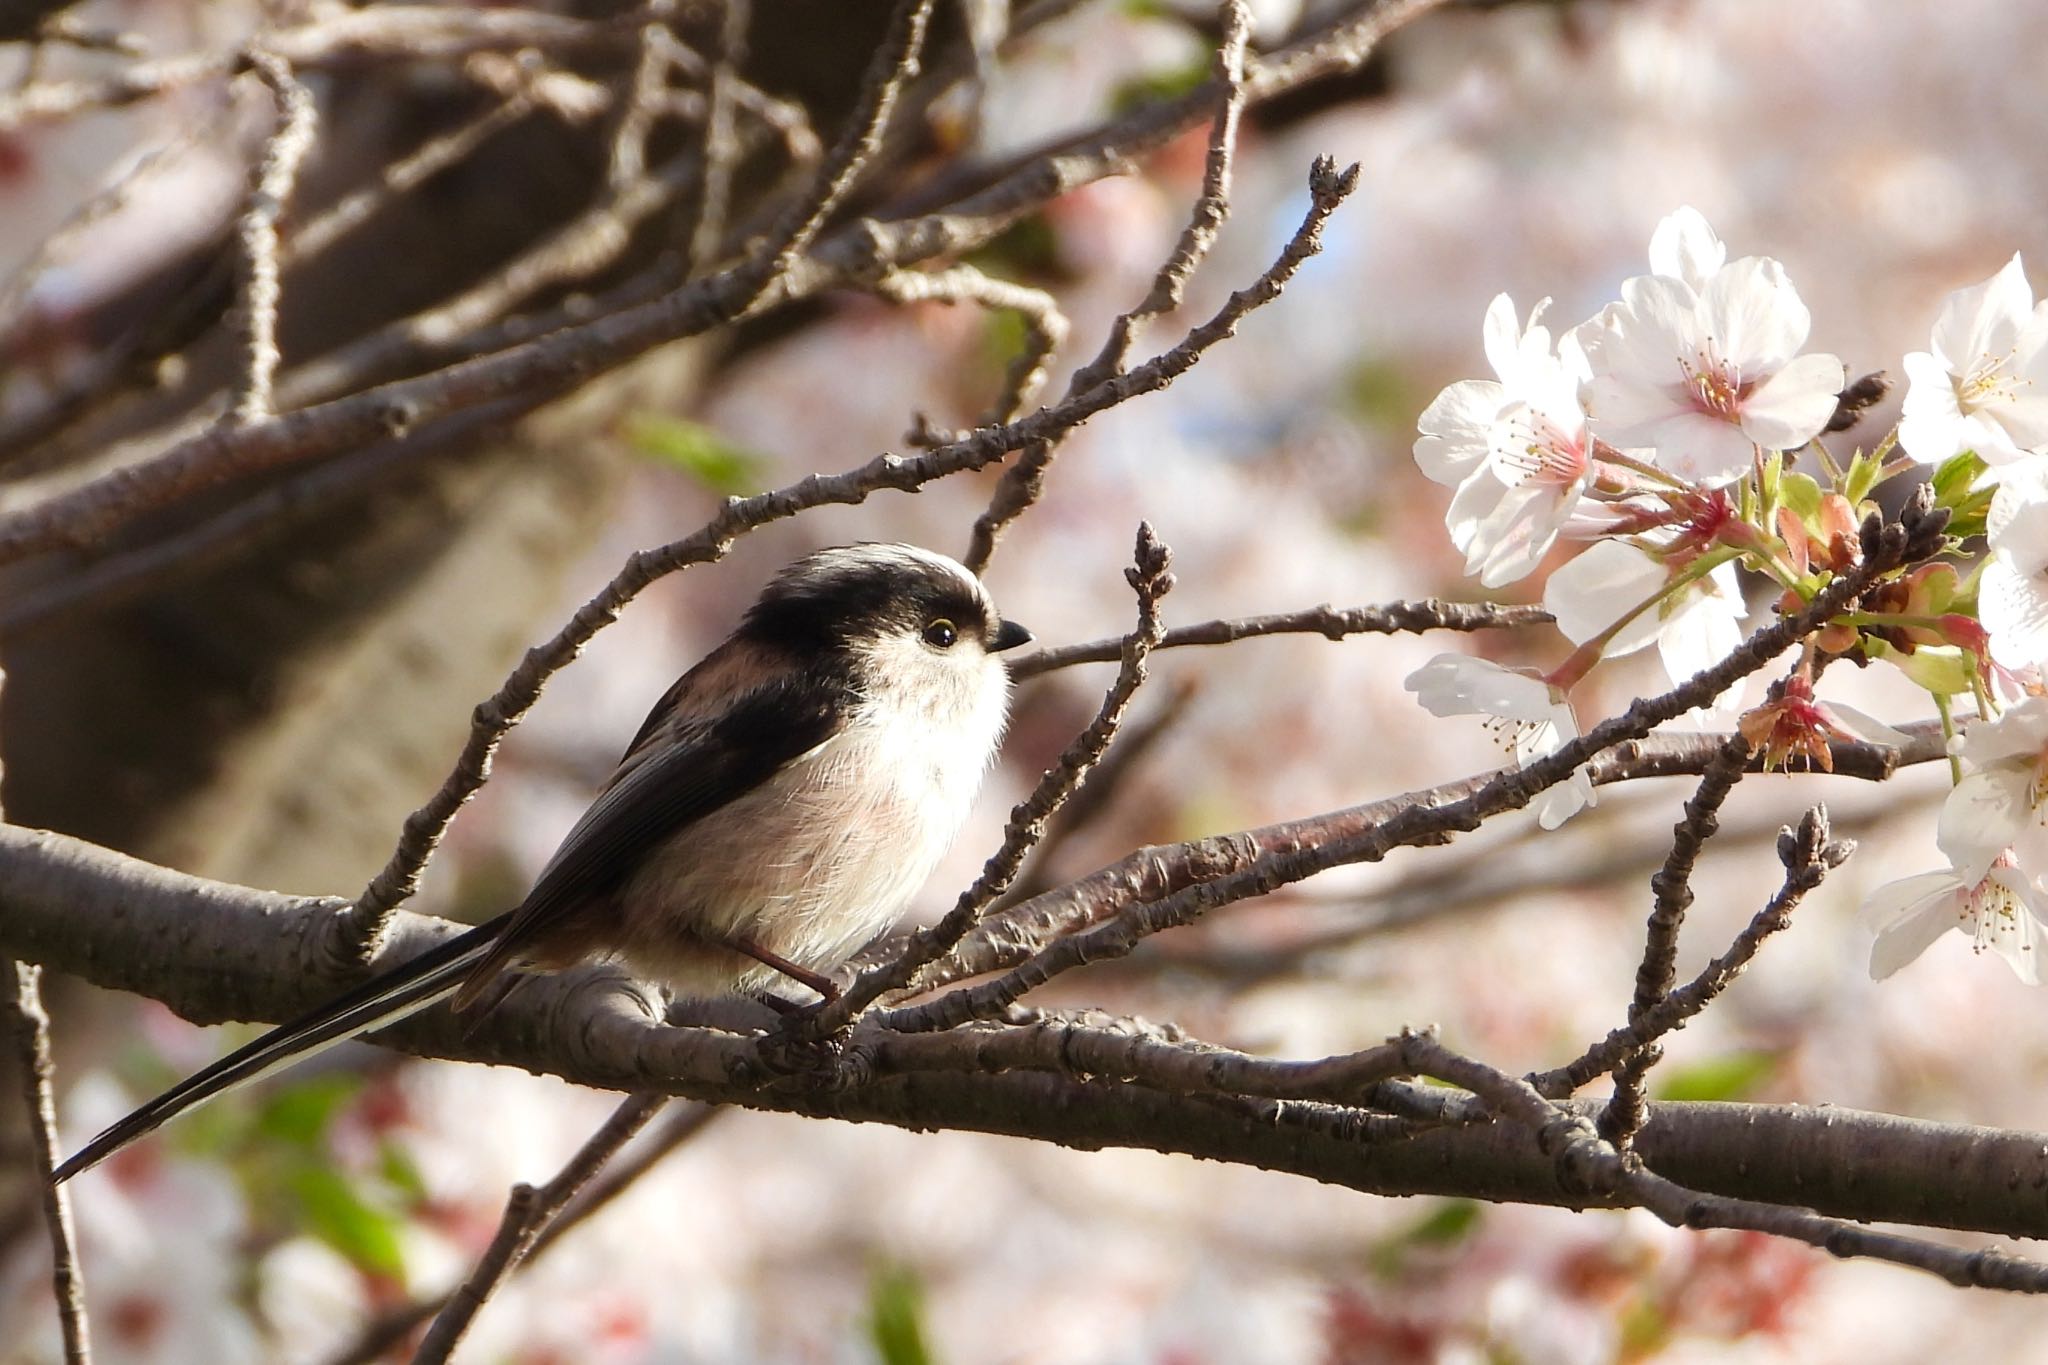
(1678, 437)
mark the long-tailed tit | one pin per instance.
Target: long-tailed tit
(778, 809)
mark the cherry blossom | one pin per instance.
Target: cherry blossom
(2001, 910)
(1696, 624)
(2012, 592)
(2000, 808)
(1703, 366)
(1979, 386)
(1530, 715)
(1797, 722)
(1516, 448)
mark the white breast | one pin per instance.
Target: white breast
(825, 856)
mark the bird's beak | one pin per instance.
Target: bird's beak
(1008, 636)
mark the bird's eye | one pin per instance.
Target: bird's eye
(941, 634)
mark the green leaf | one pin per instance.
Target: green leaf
(342, 1218)
(1160, 87)
(1731, 1076)
(1943, 670)
(1956, 488)
(896, 1316)
(1028, 248)
(397, 1169)
(1382, 392)
(1861, 476)
(1449, 1222)
(298, 1114)
(698, 451)
(1955, 477)
(1800, 493)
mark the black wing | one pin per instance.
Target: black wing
(666, 783)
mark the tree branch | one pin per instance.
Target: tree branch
(213, 951)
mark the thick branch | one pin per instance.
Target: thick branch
(213, 951)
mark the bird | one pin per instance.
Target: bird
(778, 809)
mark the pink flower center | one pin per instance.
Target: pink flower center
(1718, 389)
(1536, 448)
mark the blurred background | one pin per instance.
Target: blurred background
(260, 690)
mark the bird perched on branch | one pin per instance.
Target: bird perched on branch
(778, 809)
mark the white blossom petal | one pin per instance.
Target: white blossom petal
(1457, 429)
(1607, 578)
(1752, 317)
(1790, 408)
(1981, 817)
(1685, 247)
(1916, 911)
(1932, 427)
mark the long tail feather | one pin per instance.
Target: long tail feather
(383, 999)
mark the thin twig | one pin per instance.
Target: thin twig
(360, 930)
(1023, 482)
(258, 284)
(429, 159)
(643, 103)
(338, 37)
(575, 250)
(1045, 326)
(1809, 854)
(384, 1332)
(1332, 623)
(1151, 578)
(1671, 897)
(720, 150)
(788, 119)
(527, 1212)
(22, 1004)
(893, 64)
(61, 242)
(1136, 743)
(21, 1011)
(1012, 935)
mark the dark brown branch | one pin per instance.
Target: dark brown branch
(213, 951)
(1332, 623)
(1587, 1161)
